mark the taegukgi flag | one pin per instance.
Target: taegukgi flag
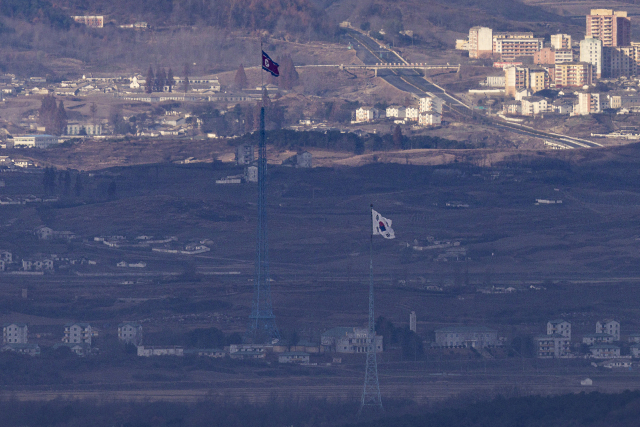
(382, 225)
(269, 65)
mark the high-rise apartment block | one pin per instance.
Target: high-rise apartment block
(591, 53)
(561, 41)
(612, 27)
(480, 42)
(512, 45)
(574, 74)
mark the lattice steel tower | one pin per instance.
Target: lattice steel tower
(371, 400)
(262, 322)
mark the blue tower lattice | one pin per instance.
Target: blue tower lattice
(262, 322)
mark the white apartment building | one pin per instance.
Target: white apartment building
(349, 340)
(431, 104)
(130, 332)
(14, 333)
(34, 141)
(467, 336)
(77, 333)
(429, 118)
(609, 326)
(495, 81)
(480, 43)
(512, 45)
(591, 53)
(552, 346)
(515, 78)
(563, 55)
(561, 41)
(604, 351)
(590, 103)
(559, 326)
(396, 111)
(88, 128)
(533, 105)
(367, 114)
(411, 114)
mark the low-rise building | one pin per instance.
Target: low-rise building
(43, 264)
(130, 332)
(23, 348)
(80, 349)
(552, 346)
(349, 340)
(428, 118)
(533, 105)
(34, 141)
(467, 336)
(601, 338)
(298, 357)
(634, 349)
(367, 114)
(15, 333)
(396, 111)
(247, 351)
(84, 129)
(634, 337)
(604, 351)
(148, 351)
(616, 363)
(206, 352)
(609, 326)
(512, 107)
(6, 256)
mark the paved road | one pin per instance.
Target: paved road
(370, 52)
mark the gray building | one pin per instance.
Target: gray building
(130, 332)
(552, 346)
(244, 154)
(467, 336)
(15, 333)
(349, 340)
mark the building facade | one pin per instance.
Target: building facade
(560, 327)
(15, 333)
(591, 53)
(34, 141)
(76, 333)
(561, 41)
(130, 332)
(612, 27)
(513, 45)
(552, 346)
(609, 326)
(480, 42)
(574, 74)
(466, 336)
(349, 340)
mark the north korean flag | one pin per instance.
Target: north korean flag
(269, 65)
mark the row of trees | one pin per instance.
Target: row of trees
(53, 116)
(156, 82)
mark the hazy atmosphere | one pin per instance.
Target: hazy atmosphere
(319, 213)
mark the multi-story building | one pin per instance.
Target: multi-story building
(533, 105)
(574, 74)
(6, 256)
(591, 339)
(37, 264)
(612, 27)
(349, 340)
(513, 45)
(559, 326)
(396, 111)
(467, 336)
(545, 55)
(432, 104)
(561, 41)
(512, 107)
(516, 78)
(428, 118)
(244, 154)
(367, 114)
(76, 333)
(628, 100)
(34, 141)
(609, 326)
(411, 113)
(84, 129)
(604, 351)
(130, 332)
(563, 55)
(90, 21)
(552, 346)
(591, 53)
(590, 103)
(620, 61)
(538, 80)
(14, 333)
(480, 42)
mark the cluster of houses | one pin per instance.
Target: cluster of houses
(603, 344)
(167, 245)
(428, 112)
(78, 338)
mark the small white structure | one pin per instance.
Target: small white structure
(609, 326)
(14, 333)
(34, 141)
(586, 382)
(616, 363)
(149, 351)
(75, 333)
(298, 357)
(130, 332)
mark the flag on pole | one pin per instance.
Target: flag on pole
(269, 65)
(382, 225)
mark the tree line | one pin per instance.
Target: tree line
(53, 116)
